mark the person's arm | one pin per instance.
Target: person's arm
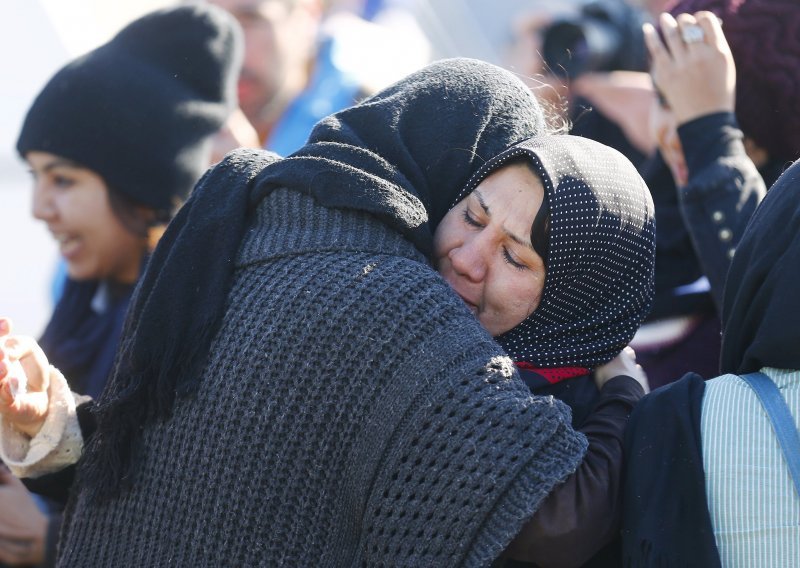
(698, 82)
(39, 427)
(57, 443)
(23, 527)
(581, 515)
(723, 191)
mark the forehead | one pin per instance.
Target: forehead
(511, 177)
(38, 159)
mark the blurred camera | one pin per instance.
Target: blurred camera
(604, 36)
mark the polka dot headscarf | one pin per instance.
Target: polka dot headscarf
(601, 253)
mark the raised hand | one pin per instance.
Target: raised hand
(24, 380)
(692, 67)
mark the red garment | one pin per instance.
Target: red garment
(554, 375)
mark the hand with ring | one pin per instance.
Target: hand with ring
(692, 67)
(691, 33)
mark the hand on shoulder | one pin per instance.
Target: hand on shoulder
(622, 364)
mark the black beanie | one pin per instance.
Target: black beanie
(139, 109)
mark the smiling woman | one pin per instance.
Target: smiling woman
(76, 205)
(115, 141)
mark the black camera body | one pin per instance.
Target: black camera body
(605, 36)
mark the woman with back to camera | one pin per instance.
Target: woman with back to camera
(115, 141)
(711, 484)
(380, 348)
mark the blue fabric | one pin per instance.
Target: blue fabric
(781, 420)
(81, 342)
(329, 91)
(59, 281)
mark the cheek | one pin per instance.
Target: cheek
(106, 235)
(118, 256)
(444, 238)
(513, 299)
(527, 295)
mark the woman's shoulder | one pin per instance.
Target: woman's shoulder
(688, 387)
(676, 403)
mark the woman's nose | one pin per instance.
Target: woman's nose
(470, 259)
(42, 205)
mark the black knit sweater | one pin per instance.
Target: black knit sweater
(353, 412)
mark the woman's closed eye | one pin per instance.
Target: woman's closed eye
(469, 219)
(509, 258)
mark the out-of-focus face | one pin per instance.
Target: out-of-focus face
(74, 203)
(664, 130)
(279, 38)
(483, 248)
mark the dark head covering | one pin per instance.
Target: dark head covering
(390, 156)
(764, 37)
(761, 306)
(600, 258)
(400, 154)
(139, 109)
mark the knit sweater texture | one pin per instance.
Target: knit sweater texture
(352, 412)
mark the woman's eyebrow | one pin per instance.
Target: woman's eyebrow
(519, 241)
(485, 206)
(60, 163)
(482, 202)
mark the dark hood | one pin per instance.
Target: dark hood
(761, 305)
(398, 154)
(599, 283)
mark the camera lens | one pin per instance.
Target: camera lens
(606, 36)
(570, 48)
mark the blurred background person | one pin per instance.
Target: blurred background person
(357, 47)
(115, 142)
(552, 46)
(725, 125)
(305, 60)
(707, 143)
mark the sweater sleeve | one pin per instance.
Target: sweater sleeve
(58, 443)
(582, 515)
(724, 189)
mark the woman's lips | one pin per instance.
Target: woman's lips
(68, 245)
(473, 307)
